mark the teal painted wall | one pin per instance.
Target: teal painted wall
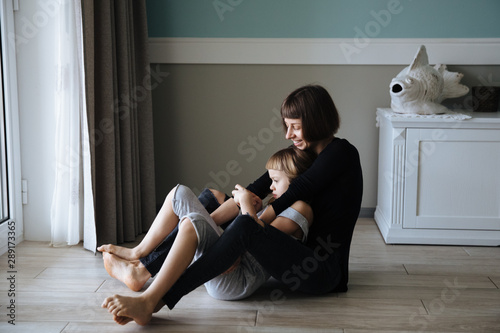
(324, 18)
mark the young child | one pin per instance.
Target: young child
(248, 275)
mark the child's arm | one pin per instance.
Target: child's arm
(243, 197)
(288, 226)
(226, 212)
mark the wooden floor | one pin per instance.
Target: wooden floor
(393, 288)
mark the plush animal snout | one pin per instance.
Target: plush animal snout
(396, 88)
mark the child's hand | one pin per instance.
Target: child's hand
(249, 203)
(242, 196)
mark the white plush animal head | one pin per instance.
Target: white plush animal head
(416, 84)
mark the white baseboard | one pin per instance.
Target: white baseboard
(367, 212)
(323, 51)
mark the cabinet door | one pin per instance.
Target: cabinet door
(452, 179)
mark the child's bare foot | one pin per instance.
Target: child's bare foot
(120, 251)
(132, 273)
(124, 309)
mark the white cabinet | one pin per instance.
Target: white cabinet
(439, 179)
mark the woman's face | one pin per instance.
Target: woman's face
(280, 182)
(294, 133)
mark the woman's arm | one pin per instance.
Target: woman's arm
(328, 167)
(261, 186)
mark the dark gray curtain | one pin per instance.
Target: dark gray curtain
(120, 117)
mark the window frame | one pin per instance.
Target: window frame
(13, 147)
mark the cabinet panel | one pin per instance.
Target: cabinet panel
(439, 179)
(452, 179)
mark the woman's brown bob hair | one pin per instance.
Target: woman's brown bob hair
(292, 161)
(314, 106)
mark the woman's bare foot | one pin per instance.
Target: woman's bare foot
(122, 320)
(158, 306)
(132, 273)
(120, 251)
(124, 309)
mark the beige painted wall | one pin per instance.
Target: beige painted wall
(215, 125)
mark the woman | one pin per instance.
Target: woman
(334, 186)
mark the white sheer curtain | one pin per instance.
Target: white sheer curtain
(72, 211)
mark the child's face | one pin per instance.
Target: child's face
(280, 182)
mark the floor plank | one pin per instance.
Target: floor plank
(421, 280)
(38, 327)
(496, 280)
(492, 268)
(393, 288)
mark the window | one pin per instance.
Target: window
(11, 213)
(4, 185)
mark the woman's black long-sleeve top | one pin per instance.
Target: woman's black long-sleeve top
(333, 185)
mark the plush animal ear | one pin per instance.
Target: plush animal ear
(420, 59)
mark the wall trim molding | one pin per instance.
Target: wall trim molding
(323, 51)
(367, 212)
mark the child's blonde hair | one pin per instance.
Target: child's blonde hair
(292, 161)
